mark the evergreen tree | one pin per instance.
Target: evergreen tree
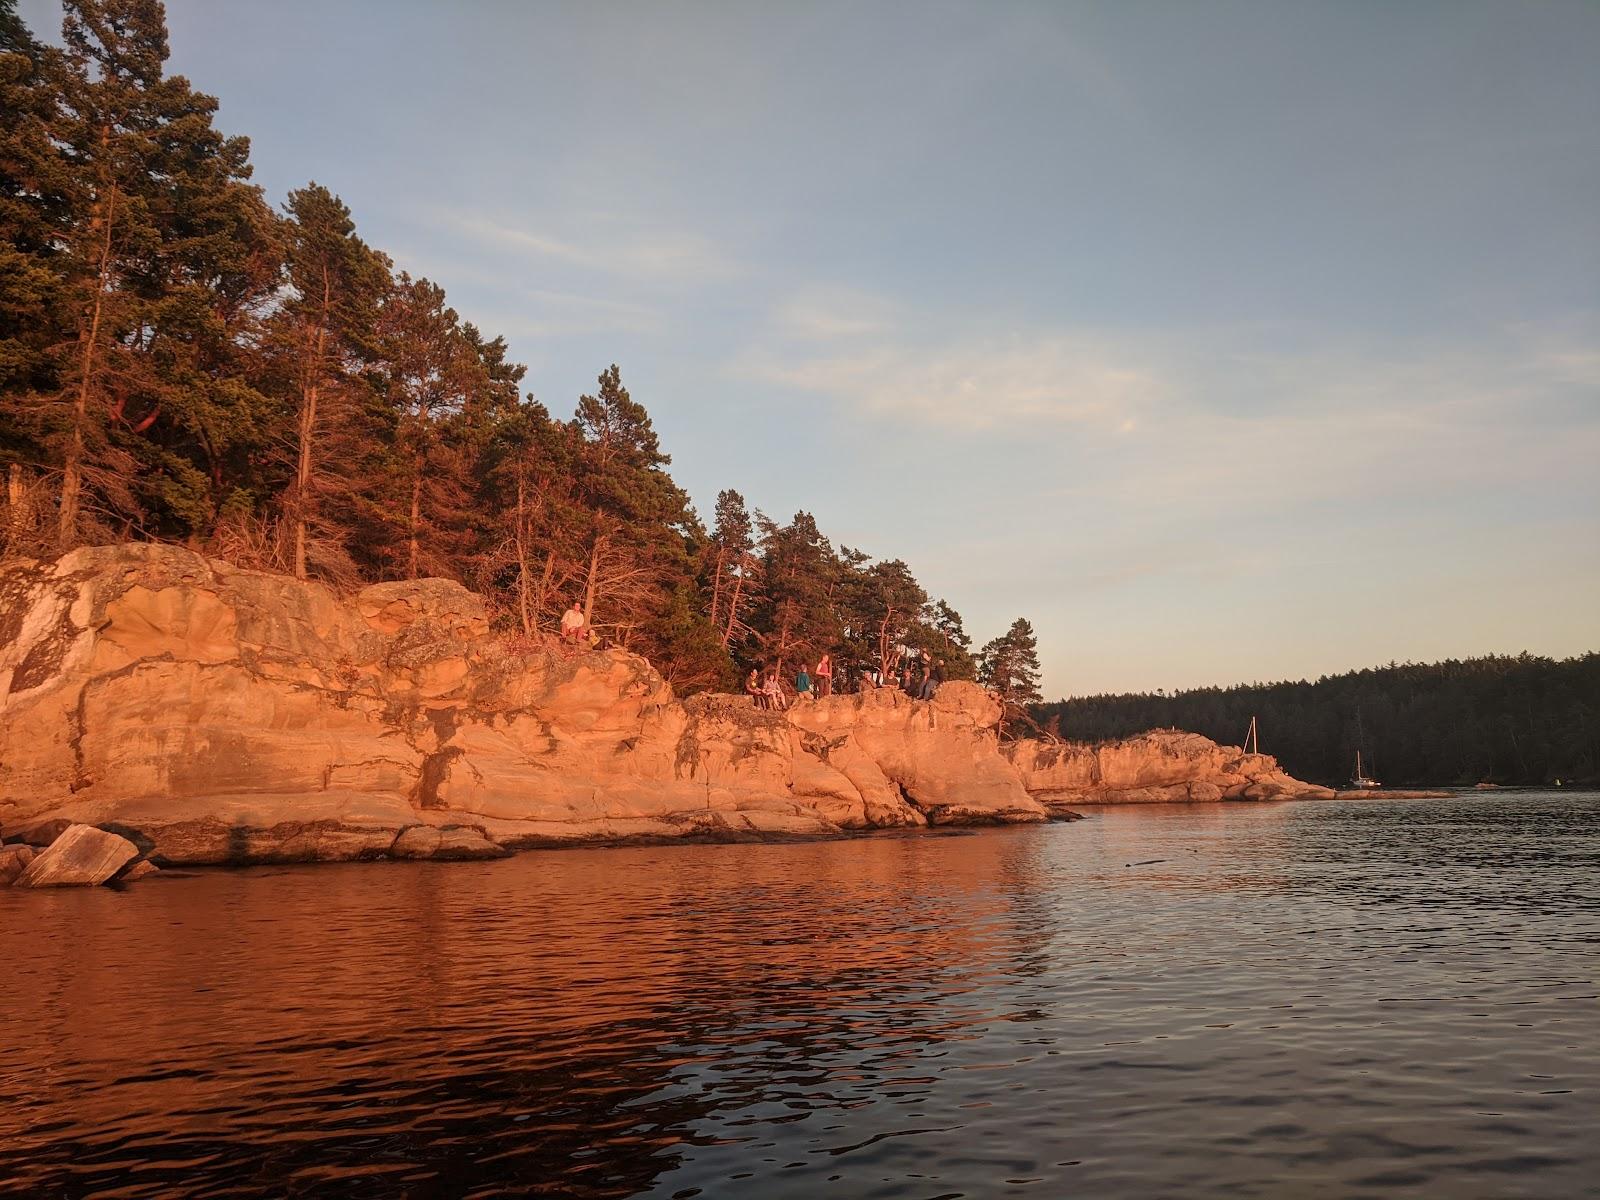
(733, 567)
(322, 340)
(641, 534)
(1010, 666)
(437, 378)
(797, 616)
(951, 645)
(33, 213)
(532, 544)
(158, 204)
(887, 612)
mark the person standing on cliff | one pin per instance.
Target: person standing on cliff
(825, 675)
(934, 678)
(572, 623)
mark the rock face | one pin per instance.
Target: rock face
(1162, 766)
(83, 856)
(214, 715)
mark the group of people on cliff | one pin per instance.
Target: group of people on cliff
(918, 675)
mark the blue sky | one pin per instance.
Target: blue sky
(1224, 341)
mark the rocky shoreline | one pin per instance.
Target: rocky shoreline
(210, 715)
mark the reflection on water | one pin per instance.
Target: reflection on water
(1373, 998)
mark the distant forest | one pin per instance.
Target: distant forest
(181, 361)
(1509, 720)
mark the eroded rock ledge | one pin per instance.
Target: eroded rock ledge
(214, 715)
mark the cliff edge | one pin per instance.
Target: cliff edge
(216, 715)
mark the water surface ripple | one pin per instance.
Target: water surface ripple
(1336, 999)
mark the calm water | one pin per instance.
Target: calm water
(1361, 999)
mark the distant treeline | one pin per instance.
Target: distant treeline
(1510, 720)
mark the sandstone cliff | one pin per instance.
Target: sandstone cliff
(215, 715)
(1162, 766)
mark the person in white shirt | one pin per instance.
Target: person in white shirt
(572, 622)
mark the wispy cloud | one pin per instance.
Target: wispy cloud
(632, 251)
(972, 385)
(831, 315)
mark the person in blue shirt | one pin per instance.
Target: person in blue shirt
(802, 684)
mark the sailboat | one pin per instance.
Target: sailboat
(1359, 780)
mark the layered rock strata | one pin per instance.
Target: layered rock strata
(216, 715)
(1163, 766)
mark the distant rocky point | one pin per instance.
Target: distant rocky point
(206, 714)
(1163, 766)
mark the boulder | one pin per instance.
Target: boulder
(83, 856)
(14, 860)
(136, 871)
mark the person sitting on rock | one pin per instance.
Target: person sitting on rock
(774, 691)
(825, 675)
(572, 623)
(802, 684)
(753, 688)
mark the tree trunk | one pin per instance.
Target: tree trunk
(72, 466)
(416, 509)
(310, 394)
(15, 496)
(589, 585)
(733, 606)
(302, 484)
(522, 553)
(716, 586)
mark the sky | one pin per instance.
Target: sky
(1223, 341)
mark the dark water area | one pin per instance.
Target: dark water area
(1377, 998)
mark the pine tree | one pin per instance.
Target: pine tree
(733, 568)
(433, 377)
(1010, 666)
(888, 608)
(951, 644)
(158, 202)
(641, 534)
(798, 616)
(33, 213)
(322, 339)
(532, 545)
